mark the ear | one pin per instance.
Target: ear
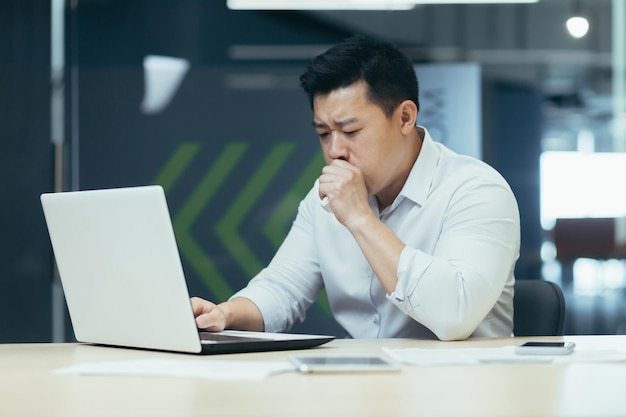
(408, 116)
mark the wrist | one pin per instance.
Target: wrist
(360, 223)
(227, 312)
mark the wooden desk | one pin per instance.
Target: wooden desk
(28, 388)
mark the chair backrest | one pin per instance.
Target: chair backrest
(539, 308)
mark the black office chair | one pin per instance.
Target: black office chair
(539, 308)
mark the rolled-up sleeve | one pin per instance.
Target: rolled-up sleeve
(452, 290)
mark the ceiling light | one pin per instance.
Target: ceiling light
(320, 5)
(350, 4)
(577, 26)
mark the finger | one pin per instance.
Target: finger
(340, 164)
(203, 322)
(212, 321)
(337, 167)
(200, 306)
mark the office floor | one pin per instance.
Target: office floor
(595, 295)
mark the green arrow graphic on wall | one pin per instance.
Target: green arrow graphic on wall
(227, 227)
(195, 204)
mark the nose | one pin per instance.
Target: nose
(337, 148)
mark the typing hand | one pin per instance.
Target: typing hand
(208, 316)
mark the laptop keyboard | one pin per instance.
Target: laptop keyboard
(208, 337)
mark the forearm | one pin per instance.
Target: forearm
(242, 314)
(381, 247)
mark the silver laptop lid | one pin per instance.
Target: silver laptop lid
(120, 268)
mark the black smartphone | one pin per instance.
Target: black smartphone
(545, 348)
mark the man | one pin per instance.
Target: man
(417, 241)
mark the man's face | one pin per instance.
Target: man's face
(352, 128)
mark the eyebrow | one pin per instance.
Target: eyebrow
(338, 122)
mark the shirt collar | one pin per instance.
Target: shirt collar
(421, 176)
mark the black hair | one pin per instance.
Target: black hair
(388, 73)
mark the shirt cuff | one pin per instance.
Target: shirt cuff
(412, 265)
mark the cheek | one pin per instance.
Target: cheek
(374, 162)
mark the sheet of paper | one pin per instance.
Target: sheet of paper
(469, 356)
(581, 355)
(466, 356)
(160, 367)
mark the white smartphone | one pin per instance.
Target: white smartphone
(545, 348)
(342, 363)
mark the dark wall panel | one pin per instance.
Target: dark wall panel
(25, 170)
(514, 129)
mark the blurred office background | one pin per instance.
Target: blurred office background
(204, 100)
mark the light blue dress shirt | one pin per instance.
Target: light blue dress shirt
(459, 221)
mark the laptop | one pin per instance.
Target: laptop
(123, 279)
